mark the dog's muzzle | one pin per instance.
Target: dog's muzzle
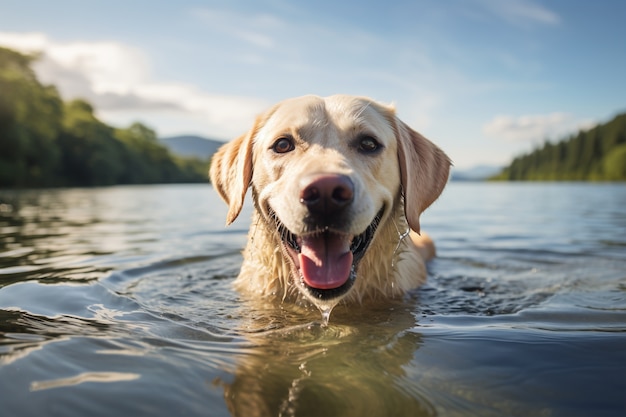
(324, 256)
(325, 260)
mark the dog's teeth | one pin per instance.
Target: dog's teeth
(293, 242)
(355, 243)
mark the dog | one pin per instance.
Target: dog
(338, 186)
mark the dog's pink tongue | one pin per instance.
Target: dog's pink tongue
(325, 260)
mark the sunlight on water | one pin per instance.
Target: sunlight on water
(118, 301)
(107, 377)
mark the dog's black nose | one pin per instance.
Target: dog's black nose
(326, 193)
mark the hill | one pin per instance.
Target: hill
(597, 154)
(45, 141)
(476, 173)
(191, 146)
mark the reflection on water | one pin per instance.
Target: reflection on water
(117, 301)
(353, 369)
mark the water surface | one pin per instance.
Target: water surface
(117, 301)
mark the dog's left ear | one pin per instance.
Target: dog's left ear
(424, 170)
(231, 170)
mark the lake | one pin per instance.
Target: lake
(118, 302)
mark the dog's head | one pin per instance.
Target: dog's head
(325, 173)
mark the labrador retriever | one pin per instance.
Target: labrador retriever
(338, 186)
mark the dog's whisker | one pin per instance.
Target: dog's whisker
(255, 227)
(401, 237)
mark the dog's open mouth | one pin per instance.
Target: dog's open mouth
(326, 260)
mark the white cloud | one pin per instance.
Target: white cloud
(117, 80)
(521, 12)
(26, 42)
(107, 67)
(533, 128)
(253, 29)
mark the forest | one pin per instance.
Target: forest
(597, 154)
(46, 142)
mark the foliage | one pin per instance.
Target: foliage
(30, 121)
(598, 154)
(46, 142)
(614, 164)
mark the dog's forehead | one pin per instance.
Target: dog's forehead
(349, 111)
(344, 113)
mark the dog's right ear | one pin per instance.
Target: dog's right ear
(231, 171)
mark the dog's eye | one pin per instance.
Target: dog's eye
(283, 145)
(368, 144)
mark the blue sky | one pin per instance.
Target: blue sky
(484, 79)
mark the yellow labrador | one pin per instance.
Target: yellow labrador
(337, 184)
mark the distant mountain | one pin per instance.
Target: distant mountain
(188, 145)
(477, 173)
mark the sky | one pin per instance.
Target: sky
(486, 80)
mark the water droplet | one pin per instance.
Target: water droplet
(326, 307)
(326, 310)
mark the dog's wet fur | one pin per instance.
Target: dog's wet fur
(338, 186)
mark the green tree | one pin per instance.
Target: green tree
(592, 155)
(614, 164)
(147, 160)
(45, 142)
(152, 161)
(91, 154)
(30, 121)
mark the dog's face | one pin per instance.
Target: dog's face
(325, 173)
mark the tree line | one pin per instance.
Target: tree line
(597, 154)
(45, 141)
